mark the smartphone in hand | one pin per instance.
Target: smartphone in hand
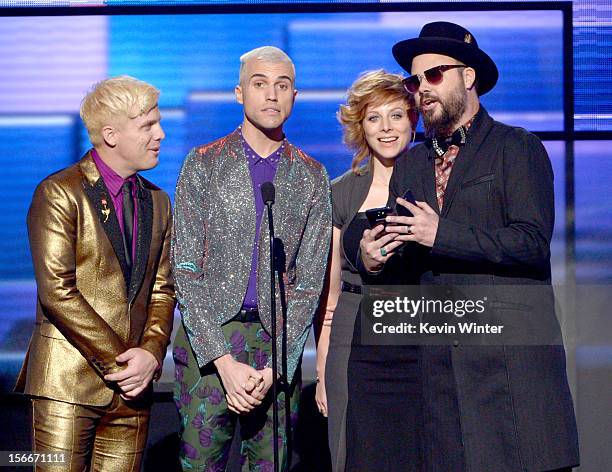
(376, 216)
(401, 210)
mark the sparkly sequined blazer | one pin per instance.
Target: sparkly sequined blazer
(213, 236)
(89, 308)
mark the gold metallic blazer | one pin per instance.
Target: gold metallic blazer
(214, 233)
(89, 308)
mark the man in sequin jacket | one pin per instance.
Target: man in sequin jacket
(220, 255)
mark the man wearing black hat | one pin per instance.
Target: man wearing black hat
(484, 216)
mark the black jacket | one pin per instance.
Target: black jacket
(510, 404)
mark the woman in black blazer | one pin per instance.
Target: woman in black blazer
(378, 121)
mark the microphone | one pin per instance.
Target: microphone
(268, 193)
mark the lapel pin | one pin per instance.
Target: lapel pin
(105, 210)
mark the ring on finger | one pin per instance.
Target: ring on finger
(383, 251)
(409, 231)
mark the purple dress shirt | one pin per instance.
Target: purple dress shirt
(113, 183)
(261, 170)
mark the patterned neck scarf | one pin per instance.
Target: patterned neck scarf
(446, 151)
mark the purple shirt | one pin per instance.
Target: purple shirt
(113, 183)
(261, 170)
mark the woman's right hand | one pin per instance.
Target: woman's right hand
(372, 249)
(321, 395)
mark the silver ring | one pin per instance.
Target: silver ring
(383, 251)
(409, 231)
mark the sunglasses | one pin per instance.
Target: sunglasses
(434, 76)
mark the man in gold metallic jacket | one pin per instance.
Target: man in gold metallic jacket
(100, 240)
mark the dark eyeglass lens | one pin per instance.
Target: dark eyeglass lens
(412, 83)
(433, 75)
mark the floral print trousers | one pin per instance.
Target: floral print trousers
(207, 425)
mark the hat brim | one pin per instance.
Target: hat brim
(486, 70)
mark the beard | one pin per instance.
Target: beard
(443, 122)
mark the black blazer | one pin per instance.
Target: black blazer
(512, 403)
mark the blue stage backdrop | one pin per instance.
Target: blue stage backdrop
(48, 63)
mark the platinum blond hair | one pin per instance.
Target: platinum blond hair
(267, 54)
(117, 97)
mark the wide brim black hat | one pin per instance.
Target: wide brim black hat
(452, 40)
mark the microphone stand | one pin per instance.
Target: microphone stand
(273, 329)
(280, 266)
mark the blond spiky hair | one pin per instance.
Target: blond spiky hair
(122, 96)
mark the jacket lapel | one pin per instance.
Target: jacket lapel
(282, 206)
(428, 180)
(358, 194)
(100, 198)
(478, 131)
(143, 238)
(240, 184)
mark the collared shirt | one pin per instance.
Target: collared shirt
(444, 166)
(113, 183)
(262, 169)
